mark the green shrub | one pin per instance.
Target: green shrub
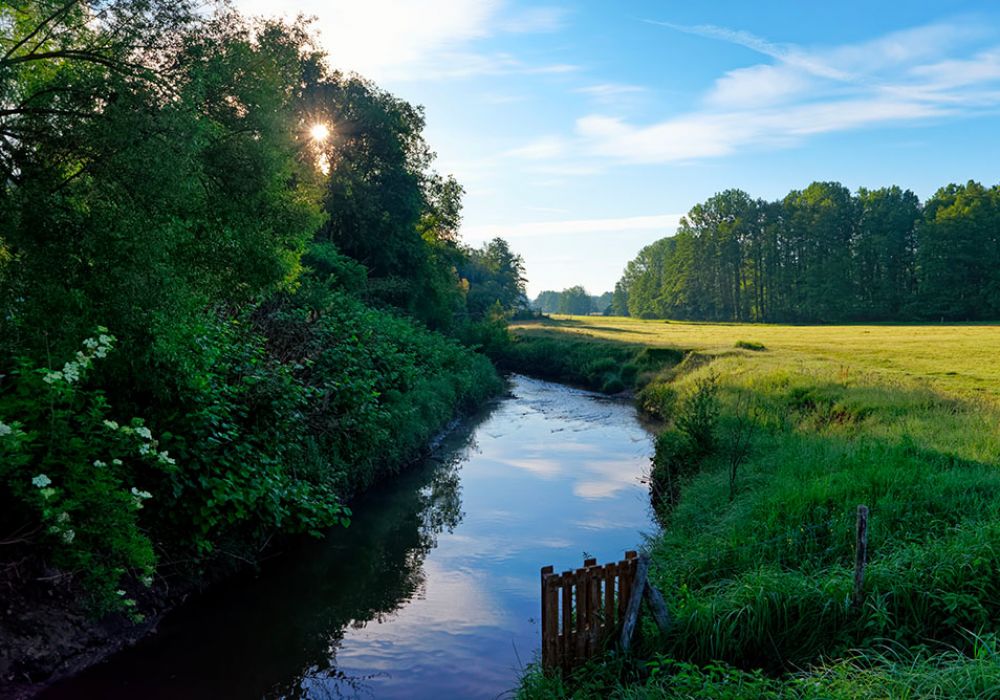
(613, 385)
(698, 413)
(658, 399)
(675, 458)
(82, 477)
(629, 373)
(750, 345)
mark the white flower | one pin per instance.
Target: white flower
(41, 481)
(120, 592)
(165, 458)
(62, 517)
(91, 343)
(141, 494)
(144, 432)
(116, 462)
(68, 536)
(111, 425)
(98, 463)
(145, 449)
(52, 377)
(5, 429)
(71, 372)
(105, 339)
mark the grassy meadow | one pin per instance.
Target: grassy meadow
(962, 359)
(756, 553)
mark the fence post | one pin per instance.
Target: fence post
(860, 556)
(634, 601)
(658, 606)
(549, 618)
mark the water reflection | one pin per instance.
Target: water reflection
(432, 591)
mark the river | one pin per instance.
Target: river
(433, 591)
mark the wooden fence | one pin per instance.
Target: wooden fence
(581, 609)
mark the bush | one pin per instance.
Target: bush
(750, 345)
(613, 385)
(82, 477)
(698, 414)
(658, 399)
(675, 458)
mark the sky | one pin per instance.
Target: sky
(584, 131)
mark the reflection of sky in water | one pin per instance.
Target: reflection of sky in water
(433, 590)
(551, 475)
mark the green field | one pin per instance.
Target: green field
(757, 568)
(958, 359)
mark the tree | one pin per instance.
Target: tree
(495, 277)
(575, 301)
(547, 302)
(619, 300)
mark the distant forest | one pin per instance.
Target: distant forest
(574, 300)
(823, 254)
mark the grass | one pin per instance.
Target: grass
(961, 360)
(905, 419)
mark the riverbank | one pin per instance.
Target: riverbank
(757, 552)
(48, 627)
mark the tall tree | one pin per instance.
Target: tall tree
(575, 301)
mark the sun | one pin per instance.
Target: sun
(319, 132)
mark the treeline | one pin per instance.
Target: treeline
(216, 321)
(823, 254)
(573, 300)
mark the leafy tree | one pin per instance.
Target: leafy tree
(823, 254)
(494, 275)
(547, 302)
(576, 301)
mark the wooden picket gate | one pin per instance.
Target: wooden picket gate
(581, 609)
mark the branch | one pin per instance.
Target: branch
(61, 11)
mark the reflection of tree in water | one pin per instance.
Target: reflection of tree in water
(386, 565)
(277, 637)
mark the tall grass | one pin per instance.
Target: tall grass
(758, 580)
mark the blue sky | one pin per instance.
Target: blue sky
(582, 131)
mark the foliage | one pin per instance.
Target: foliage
(78, 476)
(823, 254)
(606, 367)
(157, 178)
(698, 413)
(572, 301)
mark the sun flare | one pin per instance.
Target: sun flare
(319, 132)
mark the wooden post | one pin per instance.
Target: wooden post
(860, 556)
(581, 613)
(594, 608)
(550, 618)
(634, 601)
(610, 571)
(566, 643)
(658, 606)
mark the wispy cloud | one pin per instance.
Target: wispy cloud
(604, 91)
(544, 148)
(908, 77)
(535, 19)
(666, 223)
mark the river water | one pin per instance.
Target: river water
(433, 591)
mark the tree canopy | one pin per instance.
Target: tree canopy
(823, 254)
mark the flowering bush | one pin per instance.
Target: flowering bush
(74, 475)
